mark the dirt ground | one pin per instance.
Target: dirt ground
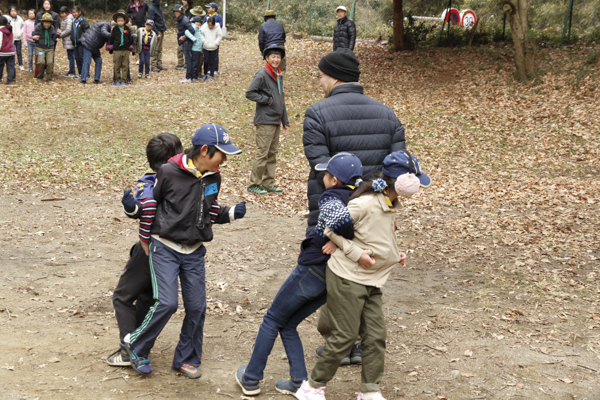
(500, 299)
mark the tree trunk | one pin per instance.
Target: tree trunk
(520, 28)
(398, 25)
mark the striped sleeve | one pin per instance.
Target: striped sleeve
(214, 212)
(148, 214)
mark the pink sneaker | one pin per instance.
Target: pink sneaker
(308, 393)
(376, 396)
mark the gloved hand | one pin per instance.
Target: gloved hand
(129, 202)
(240, 210)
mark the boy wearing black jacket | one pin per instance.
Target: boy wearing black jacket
(45, 37)
(121, 40)
(186, 192)
(184, 24)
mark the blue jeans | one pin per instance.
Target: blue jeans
(31, 48)
(87, 62)
(18, 49)
(144, 61)
(166, 266)
(302, 293)
(71, 56)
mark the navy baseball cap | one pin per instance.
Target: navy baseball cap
(215, 135)
(213, 5)
(402, 162)
(178, 8)
(343, 166)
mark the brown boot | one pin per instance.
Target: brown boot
(41, 69)
(49, 72)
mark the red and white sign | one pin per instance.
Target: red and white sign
(451, 15)
(467, 19)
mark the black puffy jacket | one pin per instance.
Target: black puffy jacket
(270, 32)
(347, 120)
(55, 18)
(344, 34)
(137, 15)
(155, 14)
(96, 37)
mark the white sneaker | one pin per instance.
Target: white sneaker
(137, 62)
(185, 80)
(376, 396)
(309, 393)
(22, 68)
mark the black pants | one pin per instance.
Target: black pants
(79, 59)
(217, 60)
(135, 286)
(195, 63)
(210, 57)
(10, 68)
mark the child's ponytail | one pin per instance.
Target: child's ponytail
(378, 182)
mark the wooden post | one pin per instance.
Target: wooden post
(473, 33)
(398, 25)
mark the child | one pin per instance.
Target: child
(121, 40)
(199, 12)
(66, 28)
(45, 36)
(80, 26)
(266, 89)
(211, 9)
(28, 28)
(354, 297)
(7, 51)
(196, 47)
(17, 29)
(186, 191)
(304, 291)
(183, 27)
(135, 283)
(211, 36)
(146, 47)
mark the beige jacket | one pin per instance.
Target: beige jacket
(374, 231)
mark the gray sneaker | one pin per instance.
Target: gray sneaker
(211, 79)
(257, 190)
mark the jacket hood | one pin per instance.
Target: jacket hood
(182, 161)
(156, 3)
(7, 29)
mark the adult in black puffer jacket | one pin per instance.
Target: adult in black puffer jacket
(92, 41)
(344, 32)
(346, 120)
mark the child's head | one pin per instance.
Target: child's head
(149, 25)
(401, 163)
(47, 20)
(197, 20)
(31, 14)
(211, 22)
(64, 11)
(3, 21)
(187, 4)
(210, 147)
(120, 18)
(47, 5)
(178, 10)
(162, 147)
(12, 11)
(212, 8)
(273, 55)
(77, 11)
(121, 21)
(341, 169)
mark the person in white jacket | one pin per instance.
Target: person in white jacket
(66, 27)
(17, 28)
(211, 36)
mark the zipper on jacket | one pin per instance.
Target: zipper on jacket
(200, 207)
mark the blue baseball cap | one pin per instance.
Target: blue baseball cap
(344, 166)
(213, 5)
(402, 162)
(150, 22)
(215, 135)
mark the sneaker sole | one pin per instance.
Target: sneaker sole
(356, 360)
(186, 374)
(345, 361)
(283, 391)
(274, 192)
(257, 194)
(119, 364)
(246, 391)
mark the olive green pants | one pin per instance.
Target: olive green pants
(265, 161)
(121, 61)
(353, 309)
(156, 61)
(45, 62)
(180, 57)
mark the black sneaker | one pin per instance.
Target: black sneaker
(180, 67)
(345, 360)
(138, 363)
(119, 358)
(356, 354)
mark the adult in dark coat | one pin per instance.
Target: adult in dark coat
(93, 40)
(136, 11)
(344, 31)
(271, 32)
(47, 8)
(160, 27)
(346, 120)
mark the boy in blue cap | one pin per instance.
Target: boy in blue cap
(304, 291)
(186, 192)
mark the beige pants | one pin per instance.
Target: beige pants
(265, 162)
(180, 57)
(156, 61)
(121, 61)
(45, 62)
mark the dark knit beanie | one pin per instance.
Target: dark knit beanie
(341, 64)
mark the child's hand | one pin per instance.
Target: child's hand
(240, 210)
(129, 202)
(403, 259)
(329, 248)
(366, 260)
(146, 247)
(36, 37)
(286, 127)
(181, 38)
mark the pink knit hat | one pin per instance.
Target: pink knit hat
(407, 185)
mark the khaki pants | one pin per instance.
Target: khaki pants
(353, 309)
(180, 56)
(201, 65)
(265, 162)
(156, 61)
(121, 61)
(45, 62)
(282, 63)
